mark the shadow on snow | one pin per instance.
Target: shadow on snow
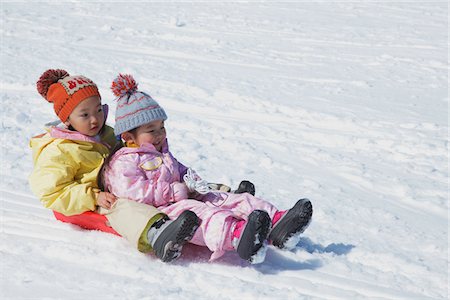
(337, 249)
(276, 260)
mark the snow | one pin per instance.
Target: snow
(345, 103)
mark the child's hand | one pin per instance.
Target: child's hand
(106, 200)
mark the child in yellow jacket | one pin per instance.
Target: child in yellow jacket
(67, 161)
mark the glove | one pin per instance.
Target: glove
(219, 187)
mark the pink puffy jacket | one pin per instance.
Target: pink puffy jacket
(145, 175)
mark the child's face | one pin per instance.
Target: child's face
(88, 117)
(153, 133)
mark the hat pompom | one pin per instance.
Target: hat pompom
(124, 84)
(48, 78)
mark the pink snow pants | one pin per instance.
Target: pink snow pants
(218, 213)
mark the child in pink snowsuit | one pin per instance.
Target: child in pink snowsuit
(144, 170)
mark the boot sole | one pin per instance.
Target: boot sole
(295, 221)
(254, 234)
(169, 244)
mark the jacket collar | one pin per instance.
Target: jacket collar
(63, 133)
(148, 148)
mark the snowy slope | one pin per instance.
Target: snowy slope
(342, 102)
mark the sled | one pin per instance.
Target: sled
(88, 220)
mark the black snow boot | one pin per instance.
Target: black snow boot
(167, 237)
(245, 187)
(285, 234)
(252, 242)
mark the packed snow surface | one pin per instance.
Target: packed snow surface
(344, 103)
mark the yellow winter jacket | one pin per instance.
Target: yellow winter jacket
(66, 165)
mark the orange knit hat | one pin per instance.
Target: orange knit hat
(65, 91)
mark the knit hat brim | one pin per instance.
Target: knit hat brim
(142, 117)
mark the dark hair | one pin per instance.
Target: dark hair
(100, 177)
